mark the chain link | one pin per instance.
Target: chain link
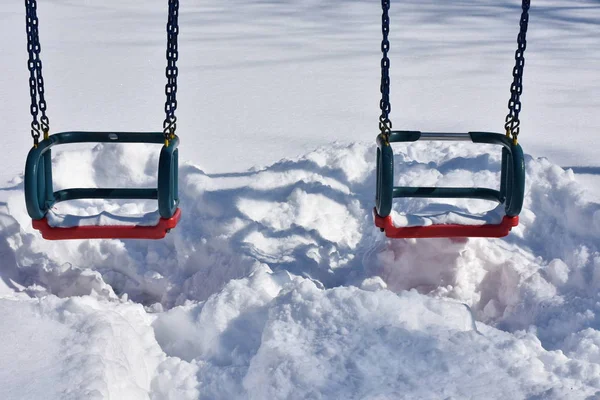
(512, 122)
(170, 124)
(36, 79)
(385, 125)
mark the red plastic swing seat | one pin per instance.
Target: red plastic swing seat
(157, 231)
(445, 230)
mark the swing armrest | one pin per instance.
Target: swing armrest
(39, 194)
(512, 186)
(475, 137)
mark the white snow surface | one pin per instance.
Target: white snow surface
(103, 217)
(276, 284)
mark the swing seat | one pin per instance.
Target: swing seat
(40, 195)
(157, 231)
(511, 193)
(445, 230)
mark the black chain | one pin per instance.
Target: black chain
(385, 125)
(36, 79)
(170, 123)
(512, 123)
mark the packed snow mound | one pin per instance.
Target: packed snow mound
(284, 337)
(276, 284)
(79, 348)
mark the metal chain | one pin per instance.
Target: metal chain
(170, 124)
(512, 123)
(36, 79)
(385, 125)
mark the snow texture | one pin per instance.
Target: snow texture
(276, 284)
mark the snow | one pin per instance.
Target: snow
(104, 218)
(77, 348)
(276, 284)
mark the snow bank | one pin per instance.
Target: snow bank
(276, 285)
(76, 348)
(273, 336)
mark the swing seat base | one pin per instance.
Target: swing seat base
(157, 231)
(502, 229)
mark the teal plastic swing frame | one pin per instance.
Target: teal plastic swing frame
(40, 195)
(511, 193)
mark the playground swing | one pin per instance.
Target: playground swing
(39, 193)
(512, 180)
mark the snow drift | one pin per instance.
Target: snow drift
(277, 285)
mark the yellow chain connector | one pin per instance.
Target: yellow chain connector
(171, 137)
(514, 138)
